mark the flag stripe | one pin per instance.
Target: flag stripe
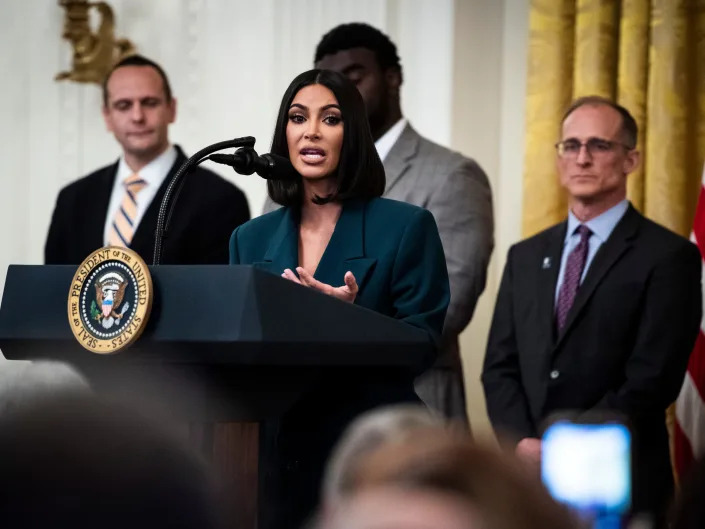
(689, 427)
(683, 455)
(690, 411)
(696, 365)
(699, 223)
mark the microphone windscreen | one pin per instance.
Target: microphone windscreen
(278, 168)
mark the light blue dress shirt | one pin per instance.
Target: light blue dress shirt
(601, 228)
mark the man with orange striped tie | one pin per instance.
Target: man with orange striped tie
(118, 204)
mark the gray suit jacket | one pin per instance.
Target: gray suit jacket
(456, 191)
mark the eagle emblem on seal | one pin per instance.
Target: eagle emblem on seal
(109, 294)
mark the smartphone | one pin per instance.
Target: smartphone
(587, 465)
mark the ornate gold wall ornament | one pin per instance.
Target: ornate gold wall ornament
(93, 53)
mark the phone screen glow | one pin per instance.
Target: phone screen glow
(588, 466)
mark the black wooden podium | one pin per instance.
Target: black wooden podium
(226, 349)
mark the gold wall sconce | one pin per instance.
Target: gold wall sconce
(94, 53)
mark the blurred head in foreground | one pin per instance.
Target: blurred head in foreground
(367, 433)
(76, 462)
(438, 479)
(23, 383)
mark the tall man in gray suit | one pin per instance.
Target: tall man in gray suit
(453, 188)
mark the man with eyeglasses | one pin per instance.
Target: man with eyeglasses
(599, 313)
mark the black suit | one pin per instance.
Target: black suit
(207, 210)
(624, 347)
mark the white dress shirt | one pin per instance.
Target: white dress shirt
(153, 174)
(389, 138)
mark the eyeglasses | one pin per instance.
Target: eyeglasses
(570, 148)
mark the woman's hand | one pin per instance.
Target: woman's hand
(347, 292)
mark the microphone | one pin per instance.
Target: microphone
(245, 161)
(269, 166)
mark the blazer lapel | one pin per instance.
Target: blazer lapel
(550, 263)
(283, 249)
(620, 240)
(399, 157)
(97, 207)
(346, 249)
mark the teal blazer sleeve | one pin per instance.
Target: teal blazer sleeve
(391, 247)
(419, 282)
(234, 253)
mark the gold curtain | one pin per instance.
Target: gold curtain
(648, 55)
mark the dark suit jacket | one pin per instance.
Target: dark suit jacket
(624, 347)
(392, 248)
(207, 210)
(395, 253)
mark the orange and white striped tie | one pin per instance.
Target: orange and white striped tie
(123, 226)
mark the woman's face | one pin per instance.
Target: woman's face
(314, 132)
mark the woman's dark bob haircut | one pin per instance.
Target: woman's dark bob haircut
(360, 172)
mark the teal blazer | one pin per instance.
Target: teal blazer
(392, 248)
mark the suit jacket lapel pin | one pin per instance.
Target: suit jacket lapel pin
(546, 263)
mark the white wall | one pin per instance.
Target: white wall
(488, 108)
(229, 62)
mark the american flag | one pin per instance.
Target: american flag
(689, 428)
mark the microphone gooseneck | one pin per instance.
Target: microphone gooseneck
(166, 208)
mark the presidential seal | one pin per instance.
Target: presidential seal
(110, 300)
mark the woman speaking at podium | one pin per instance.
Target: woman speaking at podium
(335, 234)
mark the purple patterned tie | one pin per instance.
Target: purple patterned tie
(571, 278)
